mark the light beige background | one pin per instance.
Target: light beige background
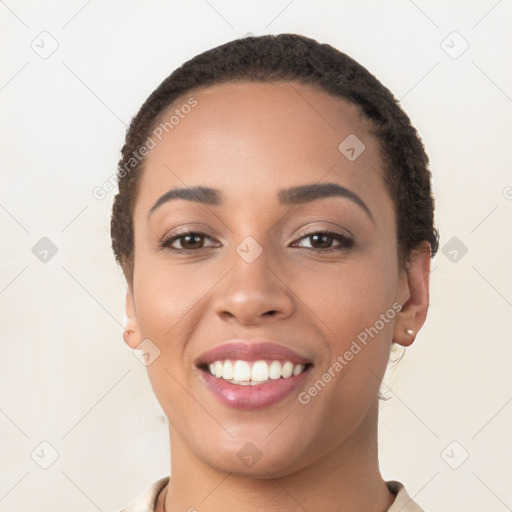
(67, 378)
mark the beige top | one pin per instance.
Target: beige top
(146, 501)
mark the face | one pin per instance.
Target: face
(289, 265)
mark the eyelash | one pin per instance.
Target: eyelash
(344, 241)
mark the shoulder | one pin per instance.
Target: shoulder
(147, 500)
(403, 502)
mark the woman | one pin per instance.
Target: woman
(274, 223)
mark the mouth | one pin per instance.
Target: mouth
(252, 375)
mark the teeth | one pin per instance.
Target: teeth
(228, 370)
(275, 370)
(298, 368)
(259, 371)
(287, 369)
(241, 371)
(252, 373)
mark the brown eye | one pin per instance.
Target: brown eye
(193, 241)
(323, 241)
(186, 242)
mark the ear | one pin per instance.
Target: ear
(132, 335)
(414, 296)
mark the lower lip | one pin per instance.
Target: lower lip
(249, 396)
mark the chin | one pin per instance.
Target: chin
(258, 456)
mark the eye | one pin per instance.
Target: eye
(192, 241)
(322, 241)
(186, 241)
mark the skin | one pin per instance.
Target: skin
(250, 140)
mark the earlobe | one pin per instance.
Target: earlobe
(416, 291)
(131, 334)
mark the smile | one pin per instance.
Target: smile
(250, 375)
(254, 372)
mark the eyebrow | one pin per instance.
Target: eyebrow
(203, 195)
(289, 196)
(307, 193)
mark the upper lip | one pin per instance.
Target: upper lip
(248, 350)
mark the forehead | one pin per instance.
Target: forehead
(254, 137)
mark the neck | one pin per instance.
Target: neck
(347, 478)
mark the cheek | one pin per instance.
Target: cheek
(168, 302)
(165, 297)
(355, 306)
(349, 298)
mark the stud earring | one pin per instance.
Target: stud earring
(410, 332)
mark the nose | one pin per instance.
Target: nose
(254, 293)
